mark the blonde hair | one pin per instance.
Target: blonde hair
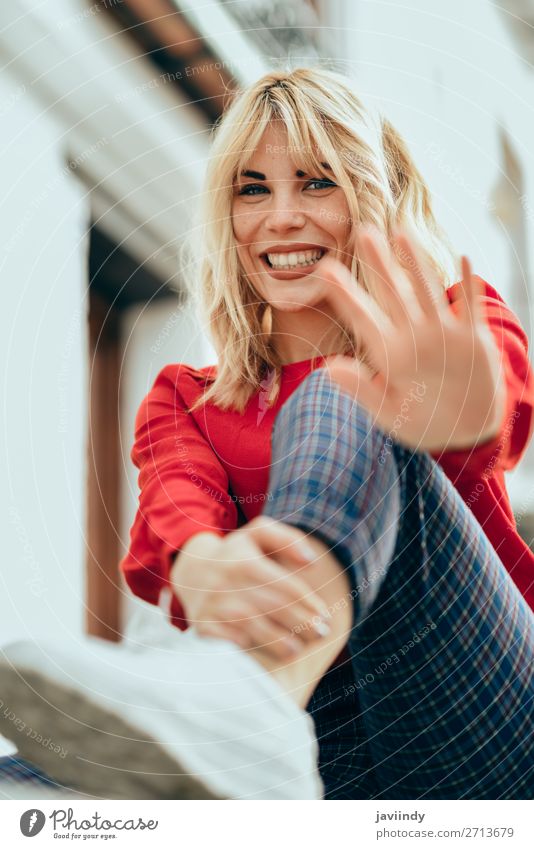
(367, 157)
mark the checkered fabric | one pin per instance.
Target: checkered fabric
(437, 698)
(15, 771)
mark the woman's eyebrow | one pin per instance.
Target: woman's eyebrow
(257, 175)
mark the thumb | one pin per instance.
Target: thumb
(354, 378)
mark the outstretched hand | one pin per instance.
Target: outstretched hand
(437, 371)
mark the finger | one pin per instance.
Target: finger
(260, 630)
(431, 298)
(224, 631)
(275, 537)
(471, 291)
(290, 586)
(462, 308)
(288, 612)
(294, 617)
(391, 287)
(261, 571)
(371, 393)
(357, 309)
(269, 636)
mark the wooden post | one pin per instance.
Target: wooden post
(103, 532)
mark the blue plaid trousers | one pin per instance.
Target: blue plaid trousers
(436, 700)
(16, 772)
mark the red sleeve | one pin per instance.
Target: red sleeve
(506, 449)
(184, 488)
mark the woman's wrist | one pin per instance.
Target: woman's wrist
(198, 547)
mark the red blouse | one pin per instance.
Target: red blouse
(208, 470)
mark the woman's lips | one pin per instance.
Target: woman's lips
(293, 273)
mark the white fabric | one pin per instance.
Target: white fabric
(210, 704)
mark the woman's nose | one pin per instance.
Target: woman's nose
(285, 214)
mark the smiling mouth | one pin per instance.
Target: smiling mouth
(293, 261)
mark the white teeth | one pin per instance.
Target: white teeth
(302, 258)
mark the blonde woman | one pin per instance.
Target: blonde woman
(320, 560)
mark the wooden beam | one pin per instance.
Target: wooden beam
(102, 574)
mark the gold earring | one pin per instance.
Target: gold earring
(267, 320)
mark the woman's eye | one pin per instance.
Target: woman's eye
(323, 182)
(244, 191)
(257, 188)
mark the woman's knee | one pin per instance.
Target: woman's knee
(319, 408)
(321, 425)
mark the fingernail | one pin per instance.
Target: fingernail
(307, 551)
(321, 628)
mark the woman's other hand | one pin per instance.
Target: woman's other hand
(437, 381)
(234, 588)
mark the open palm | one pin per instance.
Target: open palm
(437, 371)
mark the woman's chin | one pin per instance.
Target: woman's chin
(304, 288)
(290, 306)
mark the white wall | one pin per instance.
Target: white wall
(80, 90)
(153, 335)
(43, 339)
(448, 76)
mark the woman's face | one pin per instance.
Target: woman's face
(284, 222)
